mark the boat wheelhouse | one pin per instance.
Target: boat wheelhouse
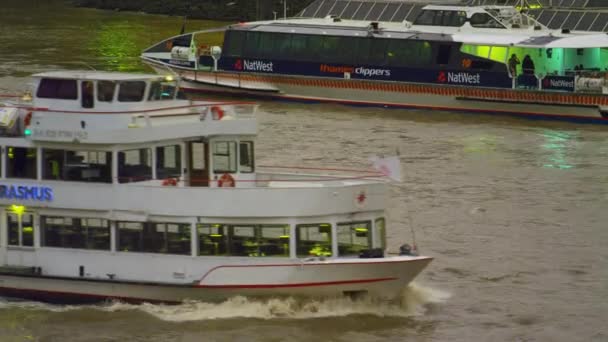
(112, 187)
(466, 58)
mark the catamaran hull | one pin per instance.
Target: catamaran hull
(583, 108)
(385, 279)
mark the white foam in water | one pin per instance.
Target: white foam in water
(413, 301)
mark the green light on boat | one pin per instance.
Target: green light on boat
(27, 132)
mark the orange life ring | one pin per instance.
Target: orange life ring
(226, 181)
(27, 120)
(217, 112)
(170, 181)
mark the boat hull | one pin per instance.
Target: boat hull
(583, 108)
(382, 278)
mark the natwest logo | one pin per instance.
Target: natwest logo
(458, 77)
(557, 83)
(247, 65)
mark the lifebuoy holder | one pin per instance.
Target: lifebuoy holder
(226, 181)
(217, 113)
(170, 182)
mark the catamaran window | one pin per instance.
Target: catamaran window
(380, 236)
(443, 54)
(162, 91)
(404, 53)
(21, 162)
(82, 233)
(251, 44)
(105, 91)
(484, 20)
(134, 165)
(313, 240)
(50, 88)
(20, 227)
(441, 18)
(426, 17)
(78, 166)
(132, 91)
(224, 157)
(150, 237)
(168, 161)
(233, 45)
(353, 237)
(246, 164)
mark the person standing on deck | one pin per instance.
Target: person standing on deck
(528, 65)
(513, 62)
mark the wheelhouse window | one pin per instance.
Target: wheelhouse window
(246, 163)
(380, 236)
(50, 88)
(162, 90)
(77, 166)
(313, 240)
(224, 157)
(105, 91)
(20, 229)
(131, 91)
(152, 237)
(168, 161)
(134, 165)
(354, 237)
(80, 233)
(21, 162)
(484, 20)
(441, 18)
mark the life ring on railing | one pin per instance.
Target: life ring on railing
(226, 181)
(27, 120)
(217, 113)
(170, 182)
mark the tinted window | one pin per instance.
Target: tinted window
(105, 91)
(484, 20)
(79, 166)
(57, 89)
(168, 161)
(131, 91)
(162, 91)
(21, 162)
(233, 46)
(425, 18)
(134, 165)
(87, 96)
(246, 156)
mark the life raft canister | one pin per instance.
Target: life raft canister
(170, 182)
(217, 113)
(226, 181)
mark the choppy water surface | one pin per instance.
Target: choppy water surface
(513, 211)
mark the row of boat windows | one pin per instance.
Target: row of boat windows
(105, 91)
(456, 19)
(254, 240)
(133, 165)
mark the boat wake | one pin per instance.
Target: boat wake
(414, 301)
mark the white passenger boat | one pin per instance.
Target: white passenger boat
(480, 59)
(114, 188)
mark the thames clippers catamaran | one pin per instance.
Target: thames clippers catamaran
(492, 59)
(112, 187)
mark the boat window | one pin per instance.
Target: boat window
(162, 91)
(338, 50)
(266, 45)
(105, 91)
(273, 241)
(354, 237)
(298, 48)
(130, 236)
(82, 233)
(426, 17)
(212, 239)
(313, 239)
(21, 162)
(244, 240)
(134, 165)
(380, 236)
(443, 54)
(484, 20)
(404, 53)
(246, 164)
(131, 91)
(378, 54)
(224, 157)
(20, 227)
(87, 96)
(78, 166)
(51, 88)
(251, 44)
(168, 161)
(170, 238)
(233, 45)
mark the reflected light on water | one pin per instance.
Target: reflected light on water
(557, 144)
(116, 44)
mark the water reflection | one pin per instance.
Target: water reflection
(116, 46)
(557, 143)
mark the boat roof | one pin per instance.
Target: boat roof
(96, 75)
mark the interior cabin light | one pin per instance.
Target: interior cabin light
(169, 78)
(18, 209)
(216, 235)
(284, 237)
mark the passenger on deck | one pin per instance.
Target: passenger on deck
(513, 62)
(528, 65)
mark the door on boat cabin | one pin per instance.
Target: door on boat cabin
(86, 94)
(198, 163)
(19, 230)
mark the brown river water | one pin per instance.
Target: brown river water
(515, 212)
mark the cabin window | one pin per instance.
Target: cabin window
(298, 48)
(484, 20)
(426, 17)
(20, 229)
(161, 91)
(405, 53)
(224, 157)
(273, 240)
(81, 233)
(233, 46)
(87, 96)
(132, 91)
(313, 240)
(212, 239)
(246, 164)
(21, 162)
(251, 44)
(105, 91)
(443, 54)
(77, 166)
(380, 236)
(244, 240)
(152, 237)
(168, 161)
(354, 237)
(50, 88)
(134, 165)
